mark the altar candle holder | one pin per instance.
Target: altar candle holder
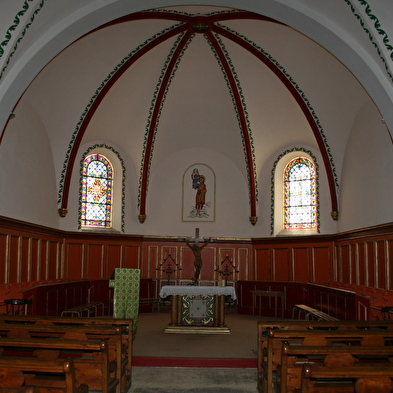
(229, 268)
(169, 270)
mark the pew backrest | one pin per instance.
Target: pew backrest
(88, 353)
(54, 367)
(271, 357)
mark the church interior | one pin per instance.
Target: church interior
(130, 131)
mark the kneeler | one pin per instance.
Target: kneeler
(126, 294)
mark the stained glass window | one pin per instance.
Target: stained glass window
(97, 192)
(300, 195)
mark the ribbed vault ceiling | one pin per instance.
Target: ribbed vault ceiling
(155, 83)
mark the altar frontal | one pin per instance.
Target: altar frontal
(197, 309)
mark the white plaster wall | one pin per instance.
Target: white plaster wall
(164, 201)
(27, 177)
(366, 183)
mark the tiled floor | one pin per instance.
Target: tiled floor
(193, 380)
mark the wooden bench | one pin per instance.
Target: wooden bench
(151, 300)
(14, 370)
(289, 373)
(311, 312)
(90, 358)
(111, 334)
(125, 324)
(84, 308)
(264, 326)
(373, 378)
(271, 356)
(124, 359)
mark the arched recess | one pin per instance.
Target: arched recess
(206, 25)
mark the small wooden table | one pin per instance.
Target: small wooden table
(271, 294)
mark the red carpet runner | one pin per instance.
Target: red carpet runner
(144, 361)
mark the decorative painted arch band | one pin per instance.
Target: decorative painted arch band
(190, 25)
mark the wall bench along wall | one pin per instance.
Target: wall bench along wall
(335, 302)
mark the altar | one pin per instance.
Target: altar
(197, 309)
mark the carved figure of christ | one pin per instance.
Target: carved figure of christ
(197, 251)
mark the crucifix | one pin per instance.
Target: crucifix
(197, 250)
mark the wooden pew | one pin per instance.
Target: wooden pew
(373, 378)
(90, 357)
(23, 389)
(264, 326)
(126, 325)
(272, 356)
(289, 373)
(81, 333)
(13, 373)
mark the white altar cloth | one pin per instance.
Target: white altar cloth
(194, 290)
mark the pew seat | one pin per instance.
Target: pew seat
(311, 313)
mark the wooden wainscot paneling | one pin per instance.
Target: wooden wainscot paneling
(113, 259)
(187, 262)
(209, 257)
(4, 257)
(14, 259)
(132, 256)
(263, 263)
(321, 262)
(389, 261)
(151, 262)
(75, 253)
(54, 260)
(37, 274)
(281, 263)
(354, 265)
(44, 260)
(294, 258)
(381, 260)
(25, 273)
(300, 264)
(244, 264)
(94, 261)
(371, 268)
(362, 264)
(344, 257)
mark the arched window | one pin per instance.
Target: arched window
(300, 195)
(96, 192)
